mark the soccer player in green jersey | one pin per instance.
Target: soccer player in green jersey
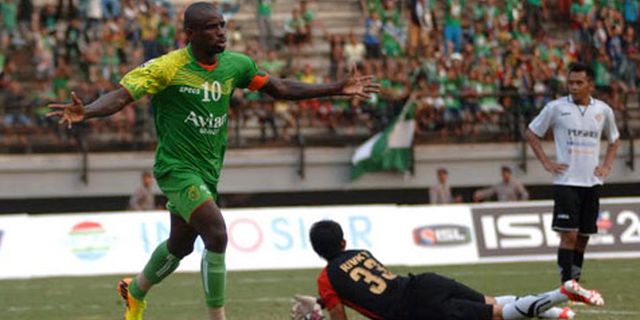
(191, 88)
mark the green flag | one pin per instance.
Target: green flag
(389, 150)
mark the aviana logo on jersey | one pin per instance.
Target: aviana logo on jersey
(208, 124)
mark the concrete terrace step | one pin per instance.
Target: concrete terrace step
(333, 22)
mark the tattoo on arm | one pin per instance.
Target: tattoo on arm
(108, 104)
(296, 90)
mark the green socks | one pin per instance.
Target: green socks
(212, 270)
(161, 264)
(214, 278)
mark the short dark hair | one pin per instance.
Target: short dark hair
(326, 238)
(581, 67)
(193, 13)
(442, 170)
(505, 169)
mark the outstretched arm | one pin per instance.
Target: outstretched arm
(360, 86)
(295, 90)
(106, 105)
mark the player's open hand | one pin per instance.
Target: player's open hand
(305, 307)
(359, 86)
(68, 112)
(555, 168)
(602, 171)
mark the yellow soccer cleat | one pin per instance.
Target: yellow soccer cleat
(135, 308)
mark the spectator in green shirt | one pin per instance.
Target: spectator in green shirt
(166, 35)
(273, 64)
(452, 26)
(264, 23)
(9, 22)
(535, 10)
(307, 17)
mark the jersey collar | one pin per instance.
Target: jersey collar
(582, 109)
(207, 67)
(591, 101)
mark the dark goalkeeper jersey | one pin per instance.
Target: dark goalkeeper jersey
(357, 280)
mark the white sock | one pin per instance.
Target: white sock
(504, 300)
(532, 306)
(553, 313)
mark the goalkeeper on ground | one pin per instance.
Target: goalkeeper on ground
(354, 278)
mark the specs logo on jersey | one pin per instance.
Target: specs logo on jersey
(438, 235)
(189, 90)
(208, 124)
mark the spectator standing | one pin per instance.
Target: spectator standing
(440, 193)
(371, 38)
(93, 17)
(110, 9)
(535, 11)
(149, 22)
(336, 56)
(295, 31)
(264, 23)
(354, 51)
(143, 198)
(48, 18)
(166, 35)
(25, 12)
(631, 9)
(273, 64)
(73, 37)
(307, 17)
(421, 22)
(15, 106)
(506, 190)
(9, 10)
(453, 26)
(580, 12)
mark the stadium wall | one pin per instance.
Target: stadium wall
(276, 238)
(277, 170)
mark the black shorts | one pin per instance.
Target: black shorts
(431, 296)
(576, 208)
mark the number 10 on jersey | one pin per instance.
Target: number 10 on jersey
(212, 91)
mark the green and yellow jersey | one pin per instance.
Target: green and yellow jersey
(190, 103)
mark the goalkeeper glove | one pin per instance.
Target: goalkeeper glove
(306, 308)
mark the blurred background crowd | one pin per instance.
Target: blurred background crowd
(479, 69)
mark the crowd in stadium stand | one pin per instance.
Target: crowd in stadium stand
(475, 66)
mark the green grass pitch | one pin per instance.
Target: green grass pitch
(267, 294)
